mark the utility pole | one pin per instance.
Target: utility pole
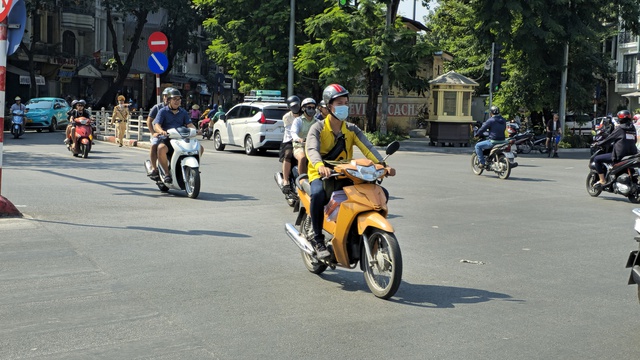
(563, 86)
(292, 34)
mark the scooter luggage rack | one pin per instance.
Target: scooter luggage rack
(274, 99)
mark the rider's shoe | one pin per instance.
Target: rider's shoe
(154, 175)
(67, 141)
(321, 249)
(480, 166)
(167, 179)
(555, 155)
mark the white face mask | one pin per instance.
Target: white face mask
(341, 112)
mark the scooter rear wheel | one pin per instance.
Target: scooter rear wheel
(312, 264)
(383, 267)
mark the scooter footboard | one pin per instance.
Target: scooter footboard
(373, 219)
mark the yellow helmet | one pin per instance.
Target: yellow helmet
(121, 98)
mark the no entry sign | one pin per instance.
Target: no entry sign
(157, 42)
(5, 6)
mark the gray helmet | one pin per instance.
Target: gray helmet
(308, 101)
(173, 92)
(81, 102)
(322, 104)
(494, 110)
(166, 91)
(293, 102)
(73, 103)
(332, 92)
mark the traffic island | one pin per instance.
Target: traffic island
(7, 209)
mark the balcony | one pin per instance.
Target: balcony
(79, 16)
(626, 37)
(626, 77)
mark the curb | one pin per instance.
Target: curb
(7, 209)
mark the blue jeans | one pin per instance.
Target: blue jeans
(480, 147)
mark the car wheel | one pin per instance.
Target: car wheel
(217, 142)
(248, 146)
(54, 125)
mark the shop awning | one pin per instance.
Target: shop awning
(25, 78)
(633, 94)
(89, 71)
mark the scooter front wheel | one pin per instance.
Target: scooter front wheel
(592, 179)
(383, 267)
(192, 183)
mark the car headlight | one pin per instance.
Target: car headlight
(43, 118)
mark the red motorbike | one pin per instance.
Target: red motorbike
(84, 137)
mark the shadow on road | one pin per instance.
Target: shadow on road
(150, 229)
(529, 179)
(428, 296)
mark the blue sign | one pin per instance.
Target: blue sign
(158, 63)
(17, 17)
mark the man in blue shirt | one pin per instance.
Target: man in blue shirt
(496, 125)
(170, 117)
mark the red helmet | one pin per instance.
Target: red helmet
(636, 117)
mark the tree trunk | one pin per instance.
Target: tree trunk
(373, 90)
(122, 68)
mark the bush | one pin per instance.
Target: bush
(575, 141)
(378, 139)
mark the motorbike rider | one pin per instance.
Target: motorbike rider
(79, 111)
(299, 131)
(169, 117)
(332, 139)
(286, 148)
(322, 111)
(553, 130)
(623, 142)
(496, 125)
(18, 106)
(153, 140)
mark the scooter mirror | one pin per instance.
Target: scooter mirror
(393, 147)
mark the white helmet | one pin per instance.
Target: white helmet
(17, 98)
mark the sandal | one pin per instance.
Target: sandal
(167, 179)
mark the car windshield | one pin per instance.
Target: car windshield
(274, 113)
(39, 104)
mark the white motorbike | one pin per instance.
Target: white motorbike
(17, 123)
(184, 162)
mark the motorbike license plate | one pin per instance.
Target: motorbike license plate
(509, 155)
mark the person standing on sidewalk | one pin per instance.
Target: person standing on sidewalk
(120, 117)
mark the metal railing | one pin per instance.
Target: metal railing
(626, 37)
(627, 77)
(136, 125)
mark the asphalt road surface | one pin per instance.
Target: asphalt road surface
(105, 266)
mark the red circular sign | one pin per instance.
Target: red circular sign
(5, 6)
(157, 42)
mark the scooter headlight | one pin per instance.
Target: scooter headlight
(366, 173)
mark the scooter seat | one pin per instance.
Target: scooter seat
(302, 182)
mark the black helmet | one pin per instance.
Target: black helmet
(293, 102)
(173, 92)
(624, 116)
(332, 92)
(494, 110)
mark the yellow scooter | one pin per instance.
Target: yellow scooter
(356, 221)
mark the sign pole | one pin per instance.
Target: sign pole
(157, 89)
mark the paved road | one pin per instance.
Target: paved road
(107, 267)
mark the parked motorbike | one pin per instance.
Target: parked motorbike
(17, 123)
(498, 159)
(84, 137)
(356, 221)
(291, 194)
(540, 143)
(523, 142)
(633, 261)
(184, 158)
(621, 178)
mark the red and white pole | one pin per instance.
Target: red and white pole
(3, 78)
(6, 207)
(157, 89)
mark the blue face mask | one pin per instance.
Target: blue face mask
(341, 112)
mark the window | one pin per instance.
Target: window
(275, 113)
(435, 102)
(234, 113)
(466, 103)
(449, 105)
(69, 43)
(37, 27)
(253, 110)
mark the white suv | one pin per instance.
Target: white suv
(255, 124)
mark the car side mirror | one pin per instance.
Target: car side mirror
(57, 106)
(223, 117)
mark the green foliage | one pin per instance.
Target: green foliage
(379, 139)
(533, 34)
